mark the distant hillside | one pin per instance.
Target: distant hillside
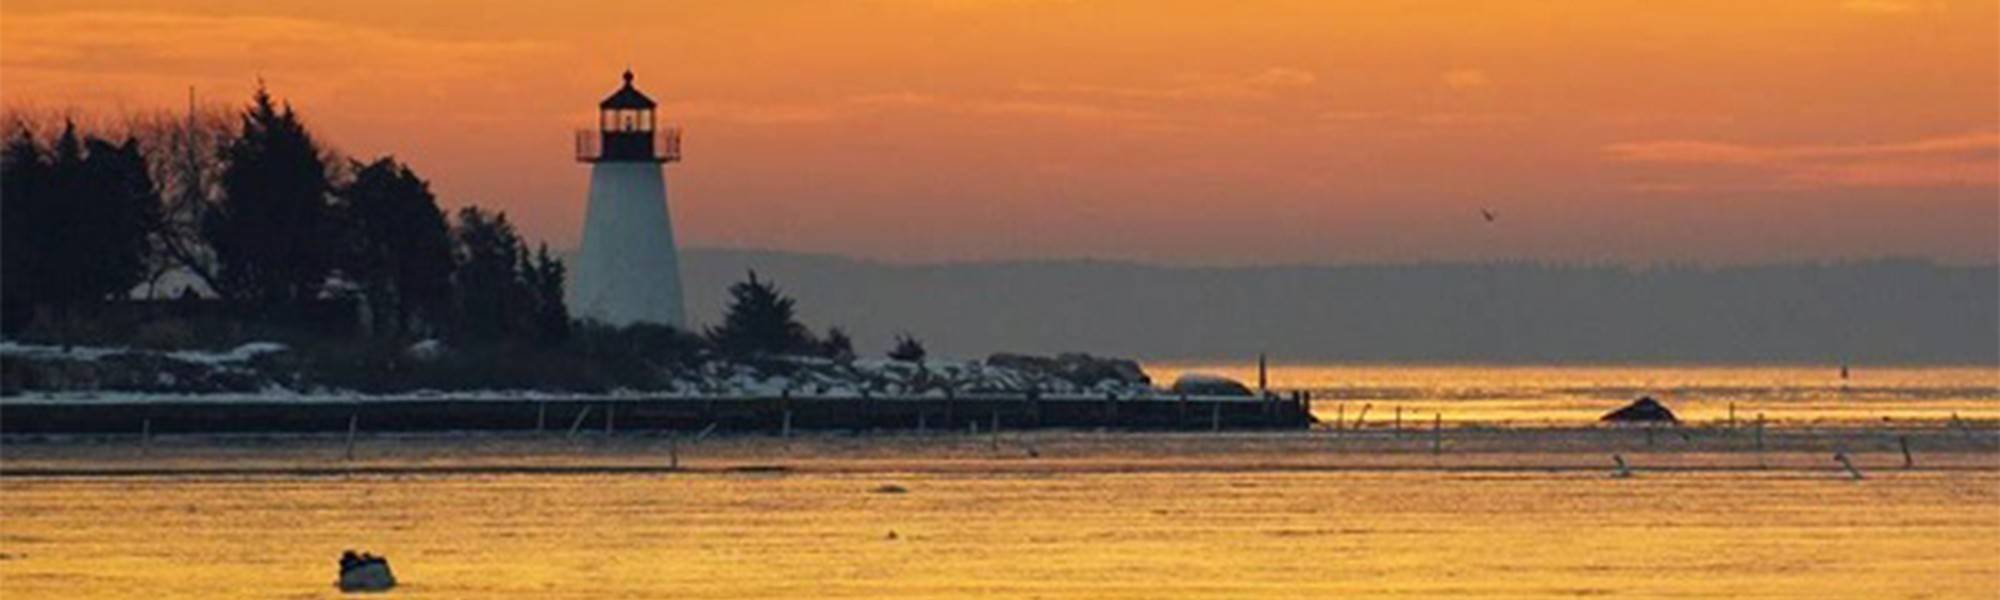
(1869, 312)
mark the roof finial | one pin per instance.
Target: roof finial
(628, 74)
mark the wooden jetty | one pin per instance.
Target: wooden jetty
(768, 414)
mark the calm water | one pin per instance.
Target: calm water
(1579, 395)
(1926, 534)
(1071, 523)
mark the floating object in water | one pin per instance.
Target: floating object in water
(1623, 471)
(892, 534)
(1643, 410)
(365, 572)
(890, 488)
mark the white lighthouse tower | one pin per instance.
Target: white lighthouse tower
(629, 271)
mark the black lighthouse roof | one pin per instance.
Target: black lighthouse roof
(626, 97)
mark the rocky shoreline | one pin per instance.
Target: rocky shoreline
(267, 370)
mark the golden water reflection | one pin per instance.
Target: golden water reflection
(1426, 534)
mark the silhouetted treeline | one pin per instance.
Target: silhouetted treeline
(1901, 311)
(254, 212)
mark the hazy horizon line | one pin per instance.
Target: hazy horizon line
(1993, 263)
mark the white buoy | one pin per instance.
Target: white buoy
(629, 270)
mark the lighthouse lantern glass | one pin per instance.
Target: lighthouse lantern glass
(626, 120)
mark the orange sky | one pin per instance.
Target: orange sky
(1182, 132)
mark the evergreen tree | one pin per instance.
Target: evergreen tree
(837, 345)
(121, 210)
(760, 322)
(272, 231)
(545, 286)
(24, 227)
(907, 349)
(492, 300)
(77, 219)
(399, 247)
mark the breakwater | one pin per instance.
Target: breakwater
(774, 414)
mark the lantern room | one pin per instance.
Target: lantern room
(627, 130)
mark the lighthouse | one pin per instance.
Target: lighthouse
(629, 271)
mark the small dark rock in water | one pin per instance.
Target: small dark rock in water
(364, 572)
(1643, 410)
(891, 488)
(892, 534)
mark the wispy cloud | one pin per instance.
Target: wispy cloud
(1877, 6)
(161, 44)
(882, 103)
(1265, 83)
(1970, 159)
(1465, 79)
(1699, 151)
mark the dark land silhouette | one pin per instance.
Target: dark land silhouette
(1879, 311)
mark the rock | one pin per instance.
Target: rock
(1643, 410)
(426, 351)
(1080, 370)
(365, 573)
(1205, 384)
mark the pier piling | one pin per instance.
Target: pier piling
(1437, 434)
(353, 425)
(1909, 461)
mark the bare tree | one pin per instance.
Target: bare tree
(184, 157)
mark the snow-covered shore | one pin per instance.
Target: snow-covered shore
(249, 373)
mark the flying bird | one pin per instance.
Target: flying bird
(1489, 214)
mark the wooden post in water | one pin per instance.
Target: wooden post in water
(1851, 471)
(949, 399)
(1760, 440)
(1909, 461)
(610, 412)
(1180, 412)
(1732, 416)
(353, 424)
(786, 430)
(146, 437)
(922, 427)
(1363, 417)
(994, 433)
(1215, 415)
(1437, 434)
(541, 415)
(1399, 420)
(1263, 381)
(674, 451)
(1340, 416)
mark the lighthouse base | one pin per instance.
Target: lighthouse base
(628, 271)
